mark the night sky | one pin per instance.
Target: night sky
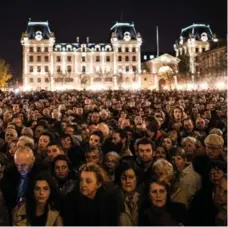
(94, 18)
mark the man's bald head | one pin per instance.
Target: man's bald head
(24, 159)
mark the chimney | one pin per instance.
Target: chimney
(77, 39)
(87, 39)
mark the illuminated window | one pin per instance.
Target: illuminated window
(46, 68)
(31, 58)
(145, 57)
(39, 58)
(69, 69)
(38, 69)
(46, 59)
(97, 58)
(31, 69)
(38, 80)
(58, 69)
(58, 58)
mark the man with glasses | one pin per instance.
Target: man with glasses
(214, 148)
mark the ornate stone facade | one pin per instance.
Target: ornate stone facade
(194, 40)
(212, 64)
(57, 66)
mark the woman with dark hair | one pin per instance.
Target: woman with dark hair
(41, 204)
(63, 174)
(158, 210)
(128, 178)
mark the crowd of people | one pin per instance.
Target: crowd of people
(113, 158)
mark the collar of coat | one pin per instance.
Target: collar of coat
(21, 215)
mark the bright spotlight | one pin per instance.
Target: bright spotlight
(203, 86)
(17, 90)
(220, 85)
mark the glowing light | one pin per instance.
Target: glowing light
(97, 87)
(17, 90)
(191, 86)
(27, 88)
(203, 86)
(220, 85)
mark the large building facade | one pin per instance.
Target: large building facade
(212, 64)
(192, 42)
(58, 66)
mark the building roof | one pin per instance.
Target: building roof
(96, 47)
(40, 26)
(120, 29)
(201, 32)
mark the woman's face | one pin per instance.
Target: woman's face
(160, 153)
(66, 143)
(173, 135)
(128, 181)
(179, 162)
(189, 148)
(215, 175)
(12, 148)
(42, 192)
(167, 143)
(89, 184)
(157, 194)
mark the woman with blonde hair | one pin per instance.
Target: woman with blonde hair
(165, 172)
